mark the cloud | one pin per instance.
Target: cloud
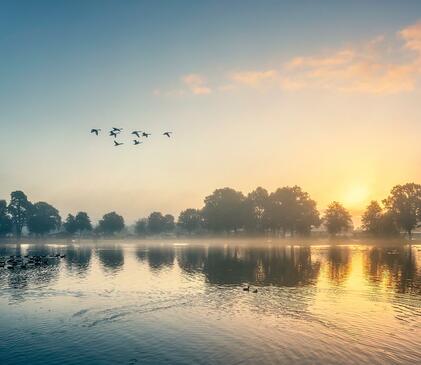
(377, 66)
(412, 37)
(196, 84)
(253, 78)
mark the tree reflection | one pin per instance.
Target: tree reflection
(396, 266)
(160, 256)
(339, 263)
(111, 258)
(78, 258)
(278, 266)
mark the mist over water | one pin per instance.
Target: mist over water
(153, 302)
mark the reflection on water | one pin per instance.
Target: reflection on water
(169, 303)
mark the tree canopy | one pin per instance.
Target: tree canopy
(19, 209)
(337, 219)
(190, 220)
(404, 204)
(43, 218)
(5, 219)
(223, 210)
(111, 223)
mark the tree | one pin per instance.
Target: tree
(190, 220)
(255, 206)
(404, 204)
(141, 227)
(291, 209)
(377, 222)
(223, 210)
(5, 219)
(156, 223)
(337, 219)
(83, 222)
(371, 219)
(19, 209)
(43, 218)
(70, 225)
(111, 223)
(169, 224)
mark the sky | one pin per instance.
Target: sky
(321, 94)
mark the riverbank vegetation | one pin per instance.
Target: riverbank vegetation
(286, 211)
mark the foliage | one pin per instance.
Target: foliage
(141, 227)
(111, 223)
(70, 224)
(337, 219)
(404, 205)
(83, 222)
(190, 220)
(223, 210)
(291, 209)
(43, 218)
(19, 209)
(378, 222)
(157, 223)
(255, 205)
(5, 219)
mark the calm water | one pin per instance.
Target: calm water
(174, 303)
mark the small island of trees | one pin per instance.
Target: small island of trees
(286, 211)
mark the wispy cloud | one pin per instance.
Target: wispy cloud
(253, 78)
(196, 84)
(377, 66)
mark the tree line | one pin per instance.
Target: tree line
(288, 210)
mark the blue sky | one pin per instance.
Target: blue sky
(67, 66)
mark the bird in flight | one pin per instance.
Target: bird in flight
(136, 142)
(144, 134)
(95, 130)
(137, 133)
(116, 144)
(118, 130)
(113, 134)
(168, 134)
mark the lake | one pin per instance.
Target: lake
(153, 302)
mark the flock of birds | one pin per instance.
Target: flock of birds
(27, 261)
(114, 132)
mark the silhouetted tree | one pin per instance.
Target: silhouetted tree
(255, 205)
(291, 209)
(141, 227)
(223, 210)
(156, 223)
(70, 224)
(190, 220)
(111, 223)
(377, 222)
(337, 219)
(43, 218)
(404, 204)
(83, 222)
(5, 219)
(169, 224)
(19, 209)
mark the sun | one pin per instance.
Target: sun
(356, 196)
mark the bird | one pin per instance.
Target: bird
(247, 289)
(95, 130)
(118, 130)
(136, 142)
(255, 291)
(137, 133)
(113, 134)
(167, 134)
(117, 143)
(144, 134)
